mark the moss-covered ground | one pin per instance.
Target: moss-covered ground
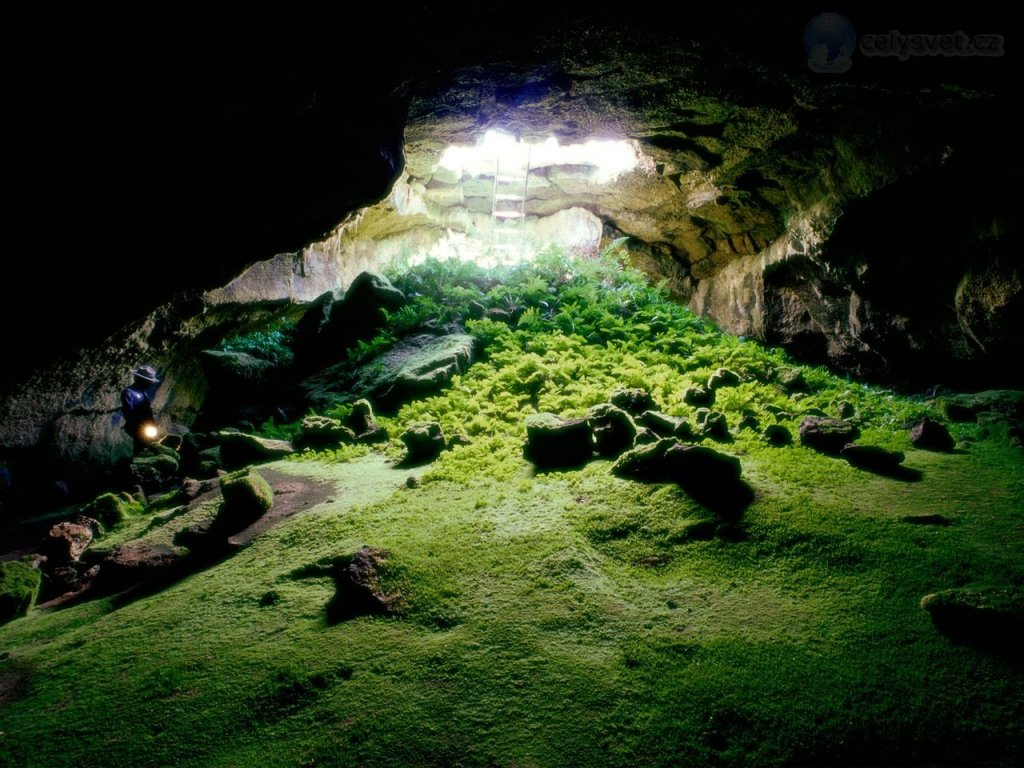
(566, 618)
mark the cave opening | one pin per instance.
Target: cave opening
(502, 198)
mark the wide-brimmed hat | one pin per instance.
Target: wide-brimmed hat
(146, 373)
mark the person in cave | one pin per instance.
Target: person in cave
(137, 407)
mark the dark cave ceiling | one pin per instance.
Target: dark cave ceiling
(154, 153)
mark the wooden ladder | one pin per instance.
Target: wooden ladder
(508, 207)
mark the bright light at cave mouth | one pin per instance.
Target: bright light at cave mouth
(610, 158)
(502, 226)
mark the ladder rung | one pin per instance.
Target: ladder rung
(509, 197)
(508, 215)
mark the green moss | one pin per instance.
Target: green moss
(567, 618)
(112, 509)
(19, 588)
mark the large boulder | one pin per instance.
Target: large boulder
(553, 442)
(413, 367)
(136, 562)
(710, 477)
(613, 429)
(19, 588)
(360, 314)
(238, 449)
(777, 435)
(424, 442)
(324, 432)
(247, 496)
(827, 435)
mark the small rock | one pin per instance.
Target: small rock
(664, 425)
(723, 377)
(459, 438)
(613, 429)
(364, 424)
(930, 435)
(751, 422)
(358, 590)
(792, 380)
(816, 412)
(644, 436)
(843, 410)
(412, 482)
(247, 496)
(827, 435)
(777, 435)
(192, 488)
(555, 442)
(633, 401)
(699, 396)
(424, 442)
(715, 426)
(477, 310)
(65, 543)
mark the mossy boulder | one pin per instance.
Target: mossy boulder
(112, 508)
(723, 377)
(777, 435)
(699, 396)
(613, 429)
(712, 478)
(713, 424)
(358, 315)
(154, 466)
(633, 400)
(238, 449)
(135, 562)
(19, 588)
(827, 435)
(424, 442)
(664, 425)
(247, 496)
(554, 442)
(645, 462)
(363, 423)
(324, 432)
(791, 380)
